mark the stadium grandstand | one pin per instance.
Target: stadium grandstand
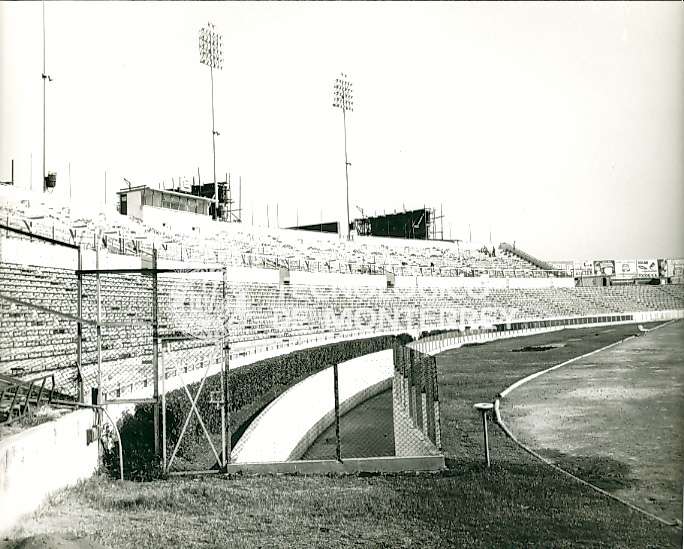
(279, 288)
(181, 366)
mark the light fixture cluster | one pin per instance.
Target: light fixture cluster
(211, 47)
(343, 97)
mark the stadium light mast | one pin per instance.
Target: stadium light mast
(343, 99)
(211, 54)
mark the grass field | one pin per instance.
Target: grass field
(520, 502)
(614, 418)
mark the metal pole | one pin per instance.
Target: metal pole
(44, 78)
(346, 167)
(118, 436)
(163, 405)
(213, 142)
(486, 437)
(79, 326)
(222, 404)
(338, 445)
(226, 381)
(155, 350)
(98, 328)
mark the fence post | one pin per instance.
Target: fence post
(155, 351)
(225, 417)
(338, 445)
(435, 404)
(79, 326)
(409, 381)
(429, 399)
(98, 331)
(163, 406)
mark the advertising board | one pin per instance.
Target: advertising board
(604, 267)
(625, 268)
(647, 267)
(584, 268)
(677, 266)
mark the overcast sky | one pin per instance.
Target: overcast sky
(559, 126)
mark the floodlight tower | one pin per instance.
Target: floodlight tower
(344, 100)
(211, 54)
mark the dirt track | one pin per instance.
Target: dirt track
(614, 418)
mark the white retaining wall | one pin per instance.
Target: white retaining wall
(288, 426)
(433, 345)
(43, 459)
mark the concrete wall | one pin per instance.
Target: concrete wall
(42, 254)
(452, 340)
(482, 282)
(339, 280)
(287, 427)
(43, 459)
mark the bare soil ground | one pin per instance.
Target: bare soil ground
(615, 417)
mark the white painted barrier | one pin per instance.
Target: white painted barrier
(454, 339)
(287, 427)
(40, 460)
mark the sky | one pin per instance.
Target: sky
(557, 126)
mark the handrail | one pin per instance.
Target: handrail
(119, 245)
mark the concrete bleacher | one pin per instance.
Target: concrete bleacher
(34, 341)
(241, 245)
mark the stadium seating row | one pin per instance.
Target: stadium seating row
(34, 341)
(239, 245)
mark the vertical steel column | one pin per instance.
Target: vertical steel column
(213, 143)
(346, 169)
(412, 385)
(418, 380)
(428, 410)
(44, 110)
(225, 416)
(163, 405)
(338, 444)
(155, 350)
(79, 326)
(98, 315)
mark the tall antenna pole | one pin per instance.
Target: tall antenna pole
(343, 99)
(44, 76)
(211, 54)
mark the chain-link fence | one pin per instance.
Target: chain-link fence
(194, 421)
(379, 404)
(39, 329)
(417, 428)
(121, 310)
(118, 356)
